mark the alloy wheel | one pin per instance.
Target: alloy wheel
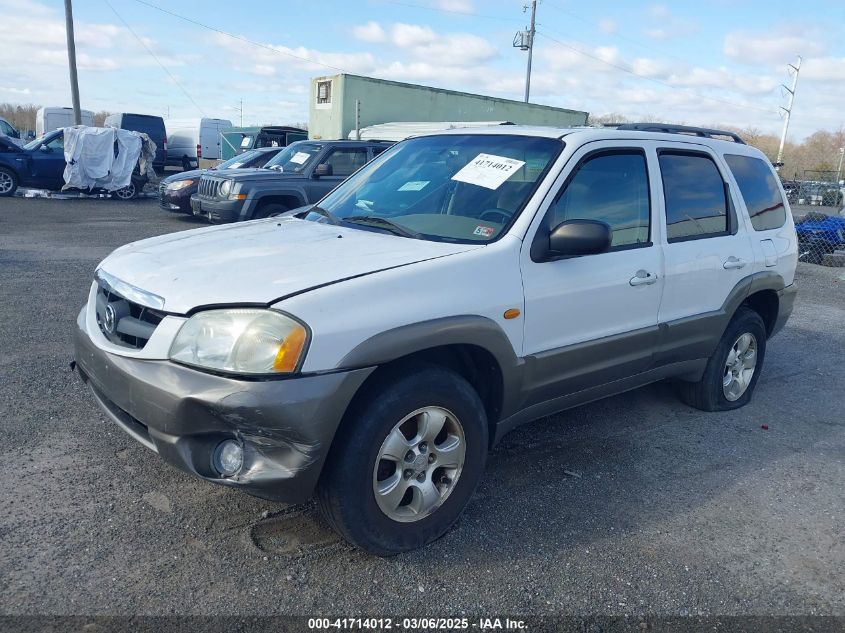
(418, 464)
(740, 366)
(6, 182)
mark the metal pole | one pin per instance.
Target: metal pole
(357, 120)
(530, 49)
(242, 112)
(788, 110)
(71, 58)
(839, 169)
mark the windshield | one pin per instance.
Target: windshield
(295, 157)
(241, 160)
(456, 188)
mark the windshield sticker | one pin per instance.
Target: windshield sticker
(488, 170)
(300, 157)
(483, 231)
(414, 185)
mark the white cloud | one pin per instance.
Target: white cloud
(369, 32)
(459, 6)
(608, 26)
(777, 46)
(667, 25)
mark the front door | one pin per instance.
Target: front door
(592, 319)
(343, 162)
(47, 165)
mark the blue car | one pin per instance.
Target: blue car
(819, 234)
(40, 164)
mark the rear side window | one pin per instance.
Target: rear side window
(611, 187)
(760, 191)
(696, 205)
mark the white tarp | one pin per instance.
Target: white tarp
(103, 158)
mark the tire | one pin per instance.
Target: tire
(269, 209)
(186, 164)
(129, 192)
(8, 182)
(346, 494)
(711, 393)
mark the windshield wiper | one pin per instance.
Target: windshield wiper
(384, 223)
(331, 217)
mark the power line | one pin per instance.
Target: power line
(155, 57)
(239, 37)
(631, 71)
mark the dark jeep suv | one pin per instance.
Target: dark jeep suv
(300, 174)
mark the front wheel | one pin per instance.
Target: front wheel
(734, 368)
(8, 182)
(269, 210)
(406, 461)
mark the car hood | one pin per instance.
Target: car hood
(255, 173)
(262, 261)
(184, 175)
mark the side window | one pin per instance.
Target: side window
(696, 205)
(6, 129)
(377, 150)
(760, 191)
(611, 187)
(57, 143)
(345, 161)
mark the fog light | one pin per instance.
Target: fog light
(228, 458)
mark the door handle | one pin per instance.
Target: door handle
(733, 262)
(643, 278)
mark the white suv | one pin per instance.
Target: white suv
(371, 349)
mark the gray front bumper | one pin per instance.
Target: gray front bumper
(286, 426)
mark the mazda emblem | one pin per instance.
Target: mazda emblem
(110, 319)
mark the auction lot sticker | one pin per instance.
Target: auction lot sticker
(299, 157)
(488, 170)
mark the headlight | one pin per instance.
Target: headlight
(179, 184)
(225, 188)
(243, 340)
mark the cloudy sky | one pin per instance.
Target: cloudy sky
(719, 61)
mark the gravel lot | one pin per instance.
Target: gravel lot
(669, 511)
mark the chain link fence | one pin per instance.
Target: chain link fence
(817, 206)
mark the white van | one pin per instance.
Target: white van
(49, 119)
(192, 140)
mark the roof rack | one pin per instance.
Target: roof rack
(680, 129)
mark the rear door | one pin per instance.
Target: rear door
(707, 249)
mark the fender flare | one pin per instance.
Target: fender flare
(474, 330)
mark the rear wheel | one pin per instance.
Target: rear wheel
(406, 461)
(733, 369)
(129, 192)
(186, 164)
(8, 182)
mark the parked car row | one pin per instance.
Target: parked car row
(298, 175)
(175, 191)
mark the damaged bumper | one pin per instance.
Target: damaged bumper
(284, 426)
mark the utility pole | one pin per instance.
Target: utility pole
(71, 58)
(242, 112)
(524, 41)
(788, 110)
(839, 169)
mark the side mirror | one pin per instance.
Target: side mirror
(323, 169)
(577, 237)
(45, 148)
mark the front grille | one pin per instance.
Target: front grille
(124, 322)
(208, 187)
